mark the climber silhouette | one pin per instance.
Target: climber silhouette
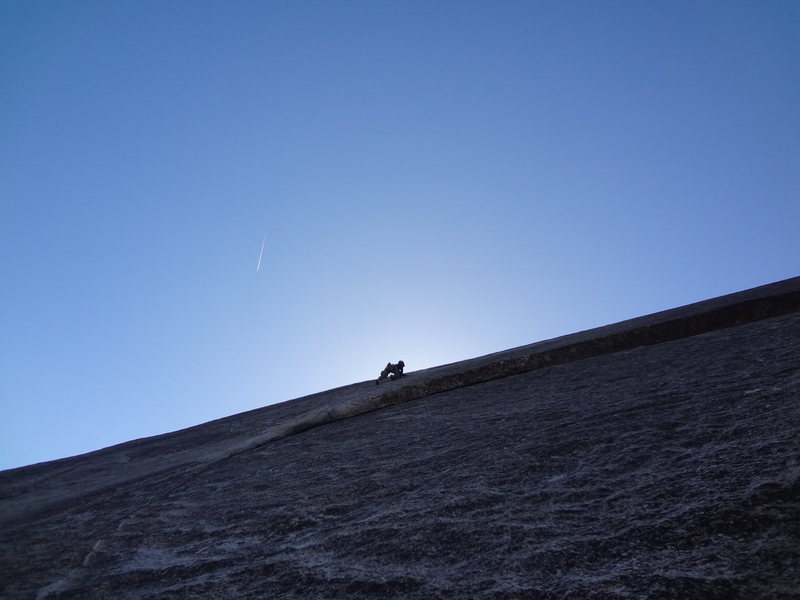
(391, 372)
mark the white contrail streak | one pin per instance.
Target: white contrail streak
(260, 254)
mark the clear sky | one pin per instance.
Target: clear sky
(432, 181)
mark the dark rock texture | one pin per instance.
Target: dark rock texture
(667, 467)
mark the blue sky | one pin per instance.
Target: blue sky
(432, 181)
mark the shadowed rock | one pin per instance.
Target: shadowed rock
(654, 458)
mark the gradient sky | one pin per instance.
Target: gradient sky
(433, 180)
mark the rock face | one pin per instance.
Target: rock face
(656, 458)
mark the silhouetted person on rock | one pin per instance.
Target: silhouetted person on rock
(391, 371)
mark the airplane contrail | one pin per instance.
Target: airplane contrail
(260, 254)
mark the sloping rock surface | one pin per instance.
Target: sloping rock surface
(656, 458)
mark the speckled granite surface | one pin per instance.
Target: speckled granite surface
(670, 470)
